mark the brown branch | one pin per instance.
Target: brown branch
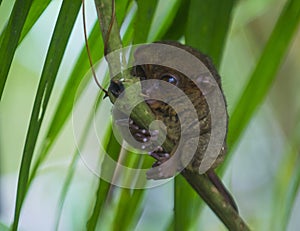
(215, 200)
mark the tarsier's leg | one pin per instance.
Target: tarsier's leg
(165, 167)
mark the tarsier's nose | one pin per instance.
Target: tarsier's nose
(116, 87)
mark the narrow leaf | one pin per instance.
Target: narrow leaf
(207, 27)
(287, 183)
(113, 148)
(11, 38)
(185, 212)
(66, 101)
(2, 226)
(36, 10)
(61, 34)
(164, 16)
(121, 10)
(130, 200)
(73, 164)
(177, 28)
(143, 20)
(265, 71)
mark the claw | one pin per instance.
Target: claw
(162, 171)
(144, 131)
(161, 156)
(156, 163)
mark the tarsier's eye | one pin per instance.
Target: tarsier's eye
(169, 78)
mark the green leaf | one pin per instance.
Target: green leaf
(207, 27)
(11, 37)
(134, 210)
(76, 77)
(2, 226)
(66, 101)
(113, 148)
(165, 13)
(61, 34)
(265, 71)
(121, 10)
(185, 213)
(128, 208)
(143, 20)
(292, 193)
(287, 183)
(36, 10)
(66, 186)
(177, 29)
(118, 222)
(74, 161)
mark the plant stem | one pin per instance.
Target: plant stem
(215, 200)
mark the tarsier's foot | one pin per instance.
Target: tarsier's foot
(141, 135)
(163, 170)
(159, 155)
(164, 166)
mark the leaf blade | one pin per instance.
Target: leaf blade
(35, 12)
(11, 37)
(63, 28)
(143, 19)
(211, 19)
(264, 72)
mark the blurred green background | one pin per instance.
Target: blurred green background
(263, 174)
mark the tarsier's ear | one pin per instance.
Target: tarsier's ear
(138, 71)
(140, 54)
(207, 83)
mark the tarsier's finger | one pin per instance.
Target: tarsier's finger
(161, 156)
(163, 171)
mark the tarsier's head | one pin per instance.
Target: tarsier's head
(174, 76)
(207, 80)
(170, 70)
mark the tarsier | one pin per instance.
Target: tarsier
(170, 117)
